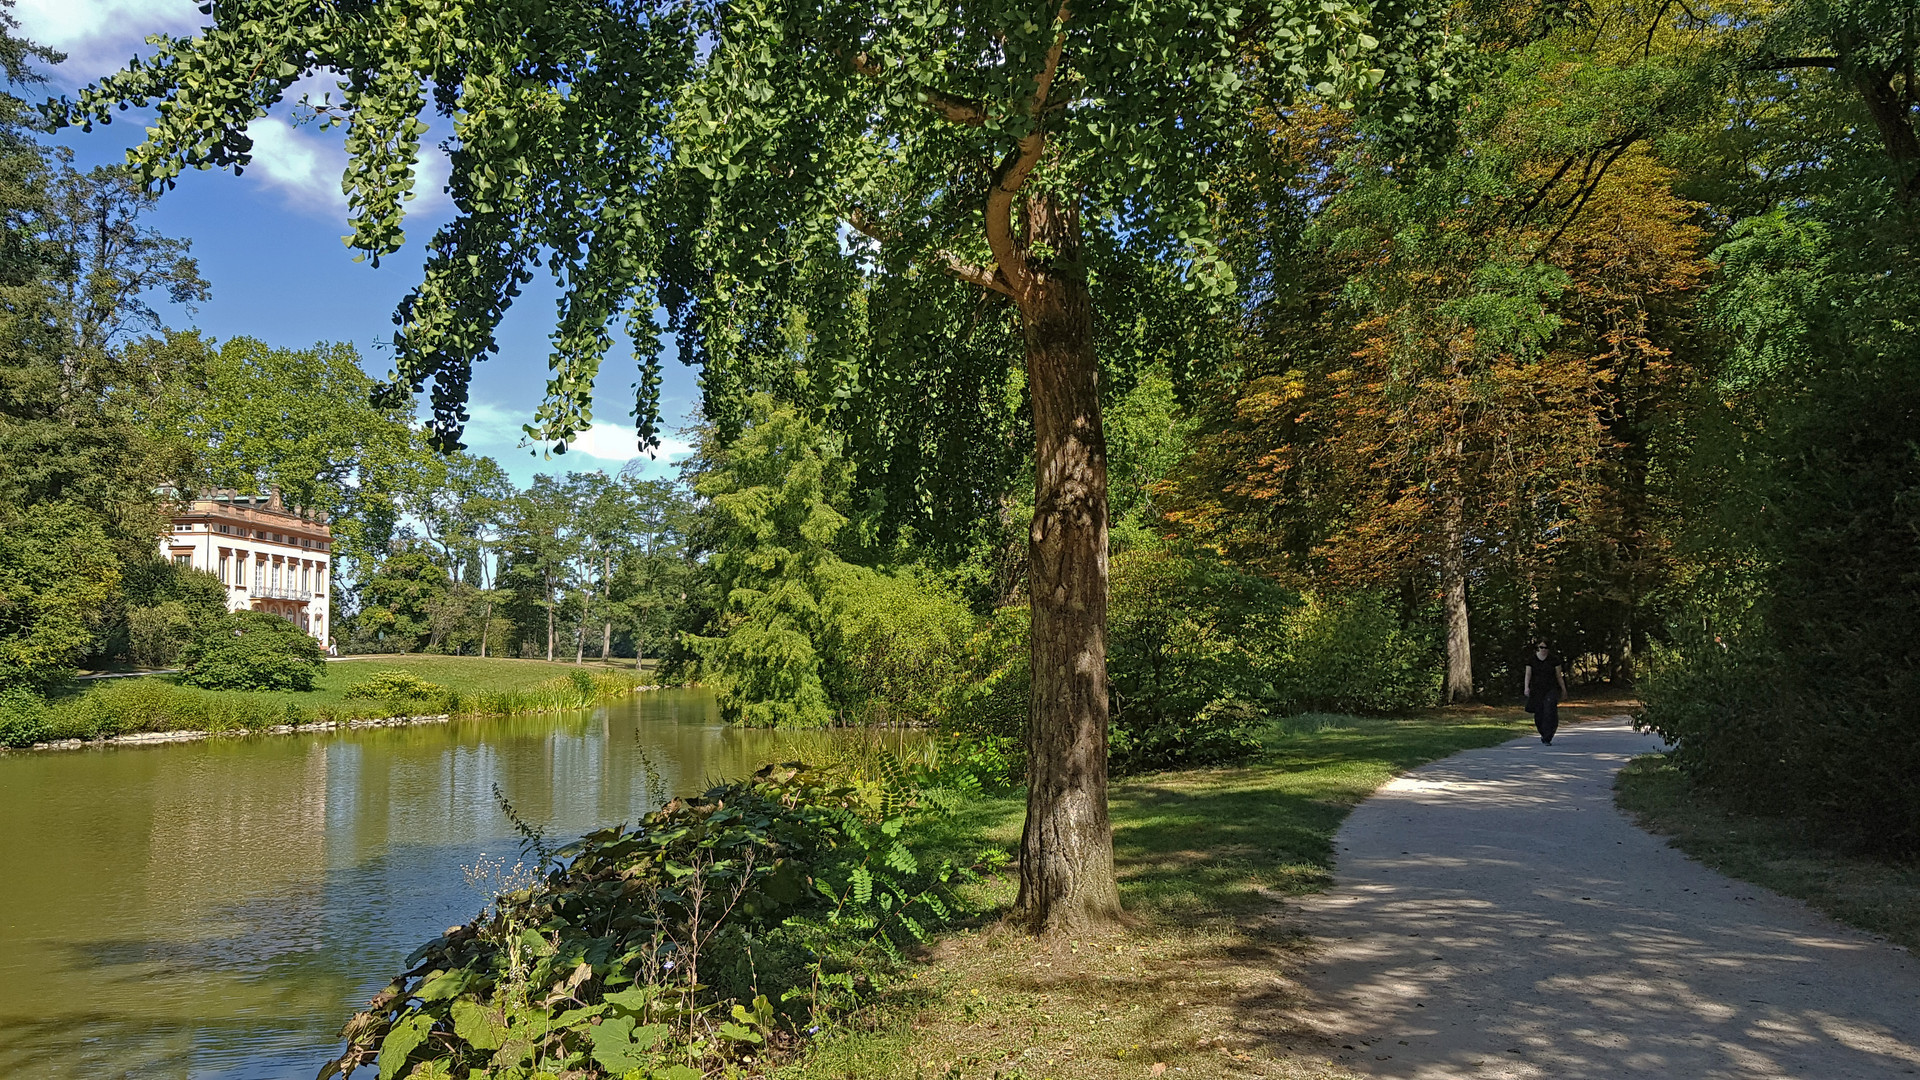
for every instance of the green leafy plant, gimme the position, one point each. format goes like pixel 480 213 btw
pixel 252 650
pixel 894 648
pixel 400 687
pixel 1349 653
pixel 714 926
pixel 23 719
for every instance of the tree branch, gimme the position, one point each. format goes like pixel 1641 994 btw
pixel 952 264
pixel 1020 163
pixel 951 107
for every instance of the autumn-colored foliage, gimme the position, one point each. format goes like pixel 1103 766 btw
pixel 1456 398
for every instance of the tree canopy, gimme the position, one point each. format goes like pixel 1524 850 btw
pixel 717 161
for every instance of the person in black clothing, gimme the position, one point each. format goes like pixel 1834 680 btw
pixel 1544 685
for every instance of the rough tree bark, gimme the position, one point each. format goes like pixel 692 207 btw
pixel 1453 588
pixel 1066 849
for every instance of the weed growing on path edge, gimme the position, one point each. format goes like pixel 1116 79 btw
pixel 1786 855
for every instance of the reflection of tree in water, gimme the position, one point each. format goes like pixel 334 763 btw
pixel 215 910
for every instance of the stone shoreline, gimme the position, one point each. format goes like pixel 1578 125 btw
pixel 144 738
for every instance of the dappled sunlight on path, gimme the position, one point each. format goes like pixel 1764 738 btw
pixel 1495 916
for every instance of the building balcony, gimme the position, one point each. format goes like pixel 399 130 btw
pixel 268 592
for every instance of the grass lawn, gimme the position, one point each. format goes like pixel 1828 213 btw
pixel 1783 854
pixel 1198 983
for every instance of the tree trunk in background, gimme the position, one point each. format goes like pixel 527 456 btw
pixel 551 603
pixel 486 623
pixel 1453 587
pixel 1066 849
pixel 640 640
pixel 606 597
pixel 580 628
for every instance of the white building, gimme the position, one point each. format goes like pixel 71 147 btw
pixel 269 557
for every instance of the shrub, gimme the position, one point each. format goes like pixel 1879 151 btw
pixel 167 606
pixel 1351 654
pixel 23 717
pixel 399 687
pixel 895 647
pixel 673 949
pixel 1191 655
pixel 157 635
pixel 153 703
pixel 58 570
pixel 994 704
pixel 1810 705
pixel 252 650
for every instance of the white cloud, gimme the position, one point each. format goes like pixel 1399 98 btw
pixel 99 36
pixel 304 166
pixel 303 163
pixel 618 442
pixel 495 430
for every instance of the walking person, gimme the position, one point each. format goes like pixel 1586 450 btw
pixel 1544 685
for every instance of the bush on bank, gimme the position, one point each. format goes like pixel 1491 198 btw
pixel 252 650
pixel 715 931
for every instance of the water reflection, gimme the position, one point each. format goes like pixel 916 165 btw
pixel 215 910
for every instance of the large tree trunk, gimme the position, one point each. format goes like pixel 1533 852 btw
pixel 551 603
pixel 1453 587
pixel 1066 850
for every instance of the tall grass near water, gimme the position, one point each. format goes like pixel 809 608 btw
pixel 157 704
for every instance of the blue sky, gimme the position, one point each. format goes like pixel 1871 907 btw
pixel 269 242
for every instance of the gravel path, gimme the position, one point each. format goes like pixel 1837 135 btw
pixel 1495 917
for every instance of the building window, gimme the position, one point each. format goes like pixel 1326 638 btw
pixel 223 566
pixel 183 560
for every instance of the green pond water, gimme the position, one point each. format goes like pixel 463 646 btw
pixel 217 909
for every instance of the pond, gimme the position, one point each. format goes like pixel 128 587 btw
pixel 216 910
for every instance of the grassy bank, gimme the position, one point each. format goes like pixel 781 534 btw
pixel 1198 982
pixel 1783 854
pixel 439 684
